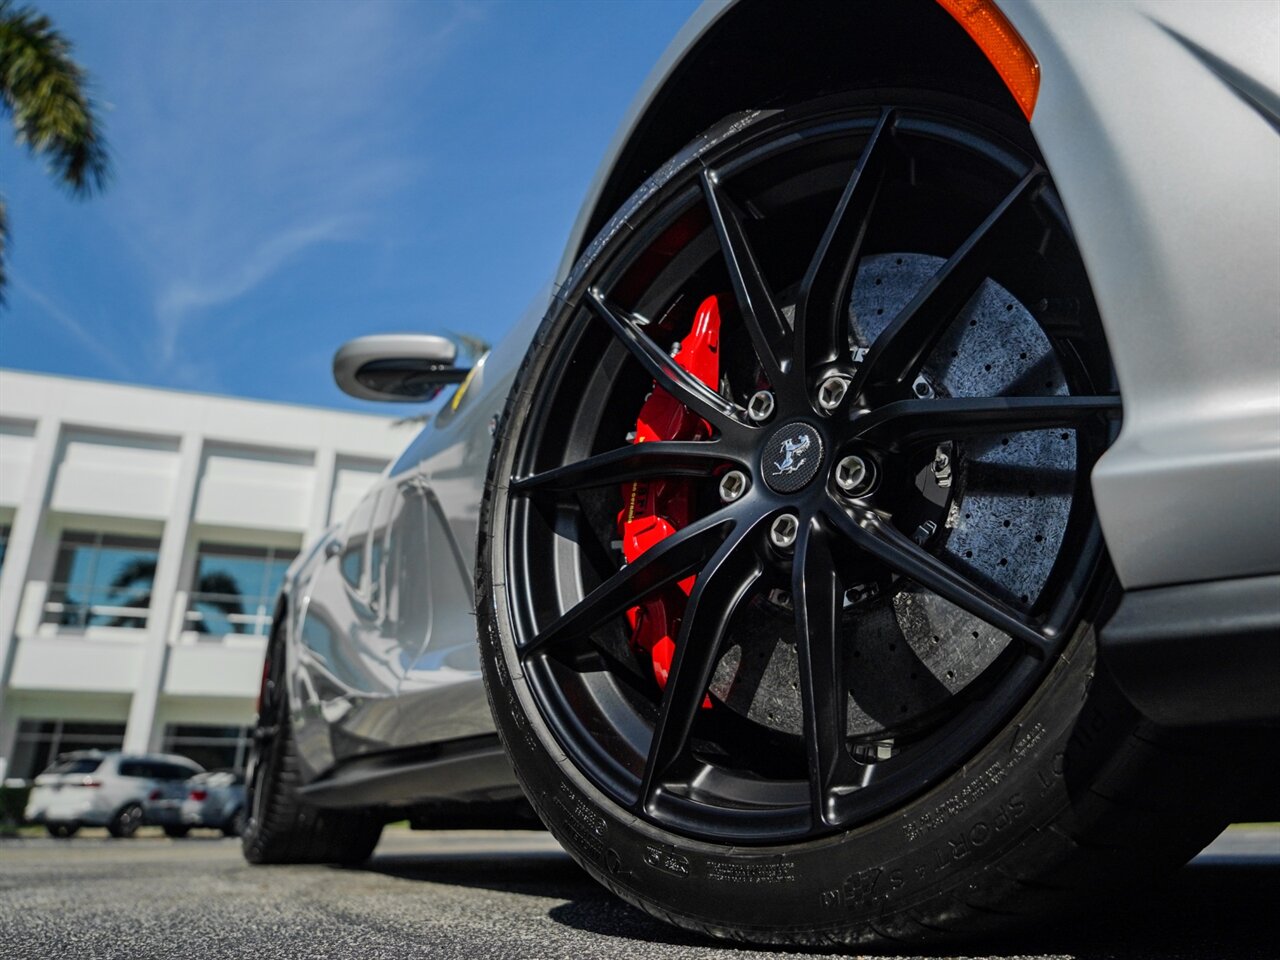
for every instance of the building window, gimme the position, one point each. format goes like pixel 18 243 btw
pixel 4 542
pixel 235 589
pixel 102 580
pixel 214 748
pixel 40 742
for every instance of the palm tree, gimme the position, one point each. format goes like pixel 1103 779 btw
pixel 131 587
pixel 44 91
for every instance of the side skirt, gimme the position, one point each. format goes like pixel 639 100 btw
pixel 1199 654
pixel 471 770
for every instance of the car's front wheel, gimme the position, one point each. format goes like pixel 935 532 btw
pixel 279 826
pixel 788 567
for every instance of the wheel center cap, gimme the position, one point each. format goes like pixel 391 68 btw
pixel 791 457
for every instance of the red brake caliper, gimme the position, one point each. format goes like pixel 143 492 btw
pixel 653 510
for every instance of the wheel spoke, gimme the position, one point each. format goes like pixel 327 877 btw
pixel 721 586
pixel 820 310
pixel 760 314
pixel 883 541
pixel 816 594
pixel 672 559
pixel 905 422
pixel 668 374
pixel 662 458
pixel 902 348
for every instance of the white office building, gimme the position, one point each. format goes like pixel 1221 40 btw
pixel 143 536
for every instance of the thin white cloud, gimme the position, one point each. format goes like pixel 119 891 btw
pixel 257 133
pixel 75 328
pixel 182 296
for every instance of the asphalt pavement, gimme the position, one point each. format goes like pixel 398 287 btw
pixel 514 895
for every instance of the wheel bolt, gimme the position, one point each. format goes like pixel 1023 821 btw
pixel 852 475
pixel 832 392
pixel 733 485
pixel 783 531
pixel 760 406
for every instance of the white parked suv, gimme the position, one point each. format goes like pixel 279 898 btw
pixel 92 788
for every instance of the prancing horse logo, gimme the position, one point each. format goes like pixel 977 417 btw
pixel 792 450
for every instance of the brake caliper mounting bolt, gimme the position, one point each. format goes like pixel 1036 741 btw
pixel 760 406
pixel 832 392
pixel 852 474
pixel 783 531
pixel 942 468
pixel 733 485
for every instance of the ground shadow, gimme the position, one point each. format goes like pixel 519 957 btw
pixel 588 906
pixel 1214 909
pixel 544 873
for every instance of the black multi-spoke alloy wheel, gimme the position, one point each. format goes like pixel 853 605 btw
pixel 881 718
pixel 279 826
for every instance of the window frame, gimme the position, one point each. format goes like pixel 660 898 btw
pixel 59 592
pixel 258 622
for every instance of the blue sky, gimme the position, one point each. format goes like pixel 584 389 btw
pixel 290 175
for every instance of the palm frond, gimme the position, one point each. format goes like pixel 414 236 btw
pixel 139 571
pixel 46 92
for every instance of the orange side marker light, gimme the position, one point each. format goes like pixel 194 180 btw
pixel 1002 45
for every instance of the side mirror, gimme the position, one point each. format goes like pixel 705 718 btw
pixel 397 367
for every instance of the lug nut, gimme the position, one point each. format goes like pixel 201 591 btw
pixel 783 531
pixel 832 392
pixel 733 485
pixel 852 475
pixel 760 406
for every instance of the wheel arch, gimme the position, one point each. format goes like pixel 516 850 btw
pixel 756 54
pixel 1200 406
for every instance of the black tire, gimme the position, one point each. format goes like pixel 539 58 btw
pixel 235 826
pixel 1069 794
pixel 126 821
pixel 62 831
pixel 176 832
pixel 278 827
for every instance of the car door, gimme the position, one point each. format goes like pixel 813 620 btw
pixel 348 671
pixel 428 604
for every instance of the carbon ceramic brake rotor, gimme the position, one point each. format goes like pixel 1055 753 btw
pixel 1011 497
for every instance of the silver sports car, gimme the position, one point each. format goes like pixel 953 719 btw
pixel 873 534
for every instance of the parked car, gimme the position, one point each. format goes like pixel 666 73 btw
pixel 210 799
pixel 216 800
pixel 113 790
pixel 872 535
